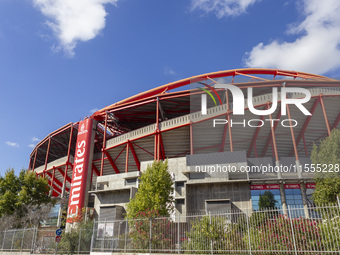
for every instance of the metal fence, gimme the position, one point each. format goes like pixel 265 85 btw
pixel 295 230
pixel 314 230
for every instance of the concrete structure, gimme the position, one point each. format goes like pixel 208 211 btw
pixel 159 124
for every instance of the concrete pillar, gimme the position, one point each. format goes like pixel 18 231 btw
pixel 283 199
pixel 277 164
pixel 304 199
pixel 298 169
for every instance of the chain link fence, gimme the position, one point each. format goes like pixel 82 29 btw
pixel 315 230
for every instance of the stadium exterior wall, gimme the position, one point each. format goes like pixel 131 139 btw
pixel 160 124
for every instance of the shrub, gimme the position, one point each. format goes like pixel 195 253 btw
pixel 213 233
pixel 162 232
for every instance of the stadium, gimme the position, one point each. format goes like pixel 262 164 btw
pixel 225 147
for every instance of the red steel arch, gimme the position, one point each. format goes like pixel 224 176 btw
pixel 250 72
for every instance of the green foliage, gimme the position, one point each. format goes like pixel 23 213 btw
pixel 154 192
pixel 213 232
pixel 162 232
pixel 79 233
pixel 276 235
pixel 331 234
pixel 21 193
pixel 257 219
pixel 327 155
pixel 267 200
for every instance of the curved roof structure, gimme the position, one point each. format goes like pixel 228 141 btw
pixel 159 124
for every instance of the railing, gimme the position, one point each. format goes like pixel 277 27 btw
pixel 274 231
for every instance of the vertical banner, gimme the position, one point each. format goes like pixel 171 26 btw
pixel 81 168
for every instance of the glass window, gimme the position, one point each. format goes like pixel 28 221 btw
pixel 255 197
pixel 296 191
pixel 294 198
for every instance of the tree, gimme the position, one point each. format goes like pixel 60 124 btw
pixel 154 192
pixel 24 199
pixel 267 200
pixel 77 238
pixel 327 156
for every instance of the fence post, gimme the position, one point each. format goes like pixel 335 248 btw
pixel 32 244
pixel 93 233
pixel 178 235
pixel 3 241
pixel 79 241
pixel 291 225
pixel 126 230
pixel 338 199
pixel 104 235
pixel 250 252
pixel 211 241
pixel 35 238
pixel 13 240
pixel 22 239
pixel 150 235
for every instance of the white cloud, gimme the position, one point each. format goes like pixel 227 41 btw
pixel 74 20
pixel 222 8
pixel 12 144
pixel 31 145
pixel 316 50
pixel 169 71
pixel 35 139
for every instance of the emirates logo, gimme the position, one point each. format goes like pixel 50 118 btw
pixel 82 127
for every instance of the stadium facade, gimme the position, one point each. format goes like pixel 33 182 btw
pixel 220 157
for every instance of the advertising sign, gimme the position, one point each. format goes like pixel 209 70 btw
pixel 264 187
pixel 80 169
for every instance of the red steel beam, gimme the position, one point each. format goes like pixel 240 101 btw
pixel 214 75
pixel 156 152
pixel 224 135
pixel 60 130
pixel 115 168
pixel 52 178
pixel 64 174
pixel 162 146
pixel 55 180
pixel 256 133
pixel 134 155
pixel 325 115
pixel 305 125
pixel 305 146
pixel 292 134
pixel 55 194
pixel 191 139
pixel 54 187
pixel 47 152
pixel 95 170
pixel 150 134
pixel 143 149
pixel 269 138
pixel 127 157
pixel 336 122
pixel 273 140
pixel 155 146
pixel 67 162
pixel 104 144
pixel 35 157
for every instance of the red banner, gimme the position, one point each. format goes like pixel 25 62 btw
pixel 292 186
pixel 310 185
pixel 80 170
pixel 266 186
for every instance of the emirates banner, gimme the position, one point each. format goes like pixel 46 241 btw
pixel 80 170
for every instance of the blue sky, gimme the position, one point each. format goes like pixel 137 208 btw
pixel 62 59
